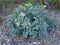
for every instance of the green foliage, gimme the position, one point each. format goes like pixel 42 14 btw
pixel 32 1
pixel 53 1
pixel 29 1
pixel 30 20
pixel 40 2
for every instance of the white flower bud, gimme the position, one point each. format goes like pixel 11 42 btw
pixel 17 23
pixel 22 14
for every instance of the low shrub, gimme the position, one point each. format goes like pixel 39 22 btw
pixel 31 20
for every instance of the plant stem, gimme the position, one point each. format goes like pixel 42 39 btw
pixel 41 2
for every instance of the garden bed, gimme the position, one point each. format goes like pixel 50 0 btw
pixel 7 39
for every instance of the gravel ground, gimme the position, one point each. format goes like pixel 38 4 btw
pixel 7 39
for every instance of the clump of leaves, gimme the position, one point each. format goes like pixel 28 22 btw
pixel 32 1
pixel 53 1
pixel 29 1
pixel 30 20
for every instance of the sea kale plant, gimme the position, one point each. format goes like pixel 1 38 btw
pixel 30 21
